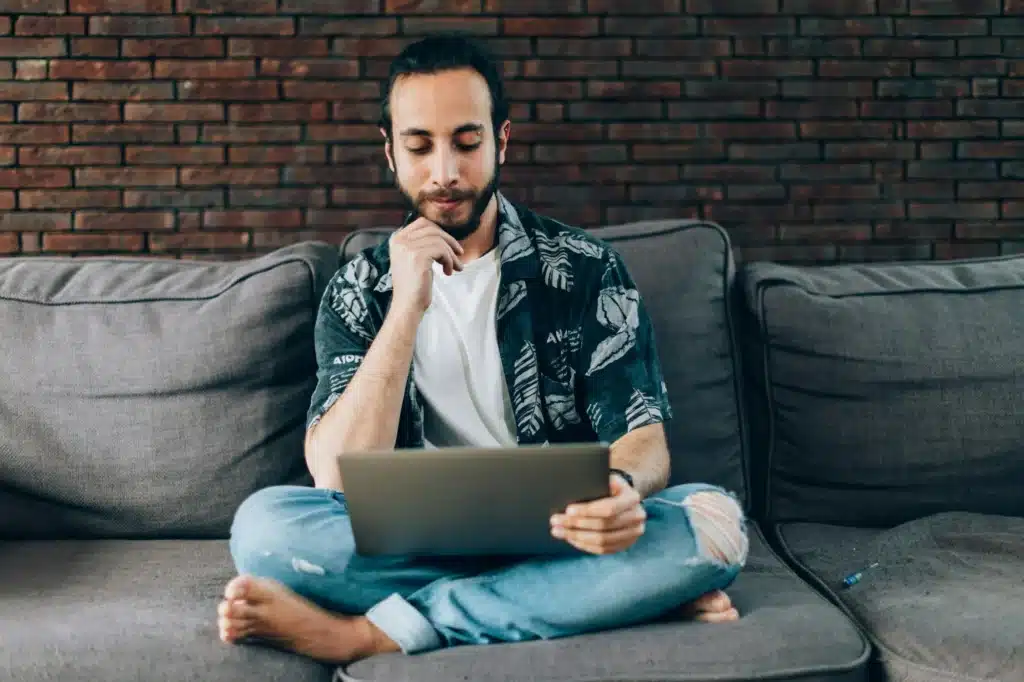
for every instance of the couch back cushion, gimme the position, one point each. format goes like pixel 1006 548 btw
pixel 146 397
pixel 684 270
pixel 887 391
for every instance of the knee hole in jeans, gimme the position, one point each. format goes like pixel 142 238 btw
pixel 718 523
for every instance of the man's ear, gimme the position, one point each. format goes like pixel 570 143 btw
pixel 502 141
pixel 388 150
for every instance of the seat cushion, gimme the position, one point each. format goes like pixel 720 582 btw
pixel 944 603
pixel 684 269
pixel 124 611
pixel 787 631
pixel 889 391
pixel 144 397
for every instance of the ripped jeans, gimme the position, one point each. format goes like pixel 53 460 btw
pixel 302 538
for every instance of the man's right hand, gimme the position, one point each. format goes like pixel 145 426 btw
pixel 414 250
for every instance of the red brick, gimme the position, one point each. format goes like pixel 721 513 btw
pixel 277 47
pixel 253 26
pixel 141 221
pixel 751 130
pixel 309 68
pixel 14 178
pixel 6 70
pixel 68 199
pixel 7 200
pixel 533 26
pixel 207 175
pixel 235 220
pixel 94 47
pixel 349 26
pixel 331 90
pixel 33 134
pixel 833 191
pixel 43 111
pixel 124 132
pixel 825 7
pixel 565 68
pixel 8 155
pixel 173 155
pixel 1003 149
pixel 22 48
pixel 35 91
pixel 49 26
pixel 8 242
pixel 702 150
pixel 43 221
pixel 269 113
pixel 952 129
pixel 543 90
pixel 870 150
pixel 61 242
pixel 227 6
pixel 122 92
pixel 139 26
pixel 330 175
pixel 949 210
pixel 624 111
pixel 772 68
pixel 426 6
pixel 206 69
pixel 367 47
pixel 228 90
pixel 481 26
pixel 199 240
pixel 285 154
pixel 195 48
pixel 69 156
pixel 34 6
pixel 173 112
pixel 248 134
pixel 124 177
pixel 963 250
pixel 762 26
pixel 6 113
pixel 98 71
pixel 5 25
pixel 121 6
pixel 847 129
pixel 173 198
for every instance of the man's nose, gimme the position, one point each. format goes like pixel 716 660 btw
pixel 445 169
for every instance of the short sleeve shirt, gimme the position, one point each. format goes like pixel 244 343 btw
pixel 576 343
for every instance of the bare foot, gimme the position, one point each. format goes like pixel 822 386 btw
pixel 267 610
pixel 713 607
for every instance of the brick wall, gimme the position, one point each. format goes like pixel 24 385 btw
pixel 814 130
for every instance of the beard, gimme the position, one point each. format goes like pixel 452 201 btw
pixel 446 221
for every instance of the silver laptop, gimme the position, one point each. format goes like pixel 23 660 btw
pixel 468 501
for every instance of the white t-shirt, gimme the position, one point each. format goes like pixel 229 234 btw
pixel 456 365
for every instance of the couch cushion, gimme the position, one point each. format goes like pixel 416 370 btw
pixel 148 397
pixel 891 391
pixel 684 270
pixel 786 631
pixel 945 601
pixel 124 611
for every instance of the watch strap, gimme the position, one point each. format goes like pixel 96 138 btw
pixel 625 476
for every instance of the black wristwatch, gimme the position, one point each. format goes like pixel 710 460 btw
pixel 624 475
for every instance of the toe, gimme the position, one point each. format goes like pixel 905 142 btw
pixel 719 616
pixel 714 602
pixel 238 588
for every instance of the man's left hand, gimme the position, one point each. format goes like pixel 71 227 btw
pixel 611 524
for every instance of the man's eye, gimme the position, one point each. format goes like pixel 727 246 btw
pixel 468 147
pixel 418 150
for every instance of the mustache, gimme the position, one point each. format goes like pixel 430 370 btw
pixel 448 195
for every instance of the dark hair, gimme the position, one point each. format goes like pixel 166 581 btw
pixel 442 52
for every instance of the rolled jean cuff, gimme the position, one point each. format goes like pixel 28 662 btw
pixel 406 626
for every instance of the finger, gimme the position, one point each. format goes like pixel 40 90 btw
pixel 604 541
pixel 606 507
pixel 632 516
pixel 427 229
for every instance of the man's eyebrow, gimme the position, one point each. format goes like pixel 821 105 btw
pixel 464 128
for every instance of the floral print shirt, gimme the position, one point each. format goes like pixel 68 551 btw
pixel 575 340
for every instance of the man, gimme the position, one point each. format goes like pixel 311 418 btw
pixel 480 323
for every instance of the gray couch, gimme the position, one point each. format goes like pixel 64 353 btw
pixel 866 414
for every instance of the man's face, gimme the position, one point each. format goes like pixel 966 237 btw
pixel 444 153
